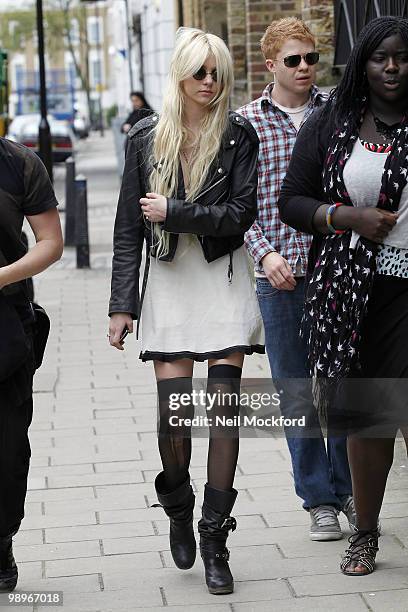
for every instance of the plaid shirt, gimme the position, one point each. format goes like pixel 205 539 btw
pixel 277 136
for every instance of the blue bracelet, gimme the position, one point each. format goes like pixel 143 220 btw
pixel 329 215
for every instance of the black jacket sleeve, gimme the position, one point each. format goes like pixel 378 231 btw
pixel 230 217
pixel 128 235
pixel 302 190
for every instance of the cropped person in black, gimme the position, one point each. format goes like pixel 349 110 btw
pixel 346 184
pixel 25 191
pixel 140 109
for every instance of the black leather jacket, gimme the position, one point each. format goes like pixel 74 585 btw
pixel 221 213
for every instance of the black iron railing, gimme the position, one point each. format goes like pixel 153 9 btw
pixel 352 15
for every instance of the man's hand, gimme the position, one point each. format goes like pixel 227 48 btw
pixel 117 324
pixel 126 127
pixel 154 207
pixel 278 272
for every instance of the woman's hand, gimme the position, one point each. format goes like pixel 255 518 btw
pixel 370 222
pixel 154 207
pixel 374 223
pixel 118 322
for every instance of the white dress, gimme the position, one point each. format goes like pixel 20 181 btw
pixel 191 310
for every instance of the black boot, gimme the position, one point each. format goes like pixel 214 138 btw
pixel 8 567
pixel 179 506
pixel 213 528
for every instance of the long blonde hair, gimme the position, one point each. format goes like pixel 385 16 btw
pixel 192 49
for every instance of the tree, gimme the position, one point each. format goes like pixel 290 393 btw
pixel 59 20
pixel 18 26
pixel 15 28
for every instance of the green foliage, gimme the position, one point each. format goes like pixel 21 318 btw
pixel 58 19
pixel 111 112
pixel 15 28
pixel 19 26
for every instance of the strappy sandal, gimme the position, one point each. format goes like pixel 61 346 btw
pixel 363 549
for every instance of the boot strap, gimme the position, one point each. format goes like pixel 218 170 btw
pixel 221 553
pixel 175 516
pixel 229 523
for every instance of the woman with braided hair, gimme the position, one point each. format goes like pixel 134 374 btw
pixel 346 184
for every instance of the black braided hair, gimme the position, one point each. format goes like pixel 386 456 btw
pixel 346 99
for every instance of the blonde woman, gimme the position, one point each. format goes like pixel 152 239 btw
pixel 189 191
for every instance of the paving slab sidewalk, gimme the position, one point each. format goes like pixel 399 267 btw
pixel 89 530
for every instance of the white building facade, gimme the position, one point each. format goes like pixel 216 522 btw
pixel 155 45
pixel 146 26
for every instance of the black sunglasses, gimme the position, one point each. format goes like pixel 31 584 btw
pixel 292 61
pixel 202 73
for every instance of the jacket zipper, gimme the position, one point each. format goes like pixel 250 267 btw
pixel 210 187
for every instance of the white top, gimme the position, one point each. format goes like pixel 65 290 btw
pixel 362 178
pixel 296 114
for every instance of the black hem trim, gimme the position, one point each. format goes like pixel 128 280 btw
pixel 157 356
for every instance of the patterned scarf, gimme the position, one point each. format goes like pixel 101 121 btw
pixel 338 291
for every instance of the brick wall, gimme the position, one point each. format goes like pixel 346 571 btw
pixel 246 22
pixel 259 14
pixel 319 15
pixel 236 19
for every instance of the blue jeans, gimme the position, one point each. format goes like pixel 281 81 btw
pixel 321 477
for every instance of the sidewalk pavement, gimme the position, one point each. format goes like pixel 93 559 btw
pixel 89 530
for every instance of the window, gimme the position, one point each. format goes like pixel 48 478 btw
pixel 95 30
pixel 96 71
pixel 352 15
pixel 18 75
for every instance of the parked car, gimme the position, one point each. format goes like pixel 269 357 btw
pixel 24 129
pixel 16 126
pixel 81 126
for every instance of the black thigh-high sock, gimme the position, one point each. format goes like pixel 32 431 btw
pixel 174 440
pixel 224 384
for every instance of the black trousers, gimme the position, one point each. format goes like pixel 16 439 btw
pixel 16 412
pixel 15 455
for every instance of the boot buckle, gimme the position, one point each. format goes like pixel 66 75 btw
pixel 229 523
pixel 223 555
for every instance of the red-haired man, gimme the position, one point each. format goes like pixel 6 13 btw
pixel 322 477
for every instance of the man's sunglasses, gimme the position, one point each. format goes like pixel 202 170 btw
pixel 292 61
pixel 202 73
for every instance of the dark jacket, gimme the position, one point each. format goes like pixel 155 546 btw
pixel 135 116
pixel 221 213
pixel 302 190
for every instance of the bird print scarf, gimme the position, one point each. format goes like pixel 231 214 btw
pixel 339 288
